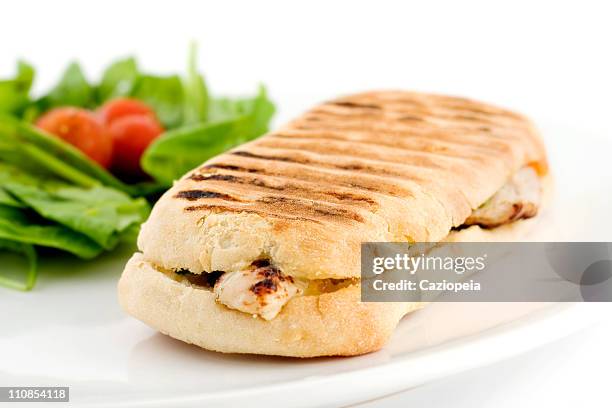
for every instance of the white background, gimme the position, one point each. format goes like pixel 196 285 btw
pixel 550 60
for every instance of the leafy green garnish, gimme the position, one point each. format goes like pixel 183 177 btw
pixel 181 150
pixel 9 279
pixel 196 93
pixel 14 93
pixel 176 101
pixel 165 95
pixel 100 213
pixel 8 200
pixel 72 90
pixel 118 79
pixel 33 146
pixel 16 225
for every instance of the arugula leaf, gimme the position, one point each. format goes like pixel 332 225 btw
pixel 165 95
pixel 7 279
pixel 72 90
pixel 119 79
pixel 181 150
pixel 196 93
pixel 14 93
pixel 16 225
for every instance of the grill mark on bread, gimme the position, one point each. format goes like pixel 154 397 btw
pixel 318 114
pixel 231 167
pixel 482 111
pixel 402 132
pixel 398 188
pixel 441 102
pixel 348 123
pixel 282 207
pixel 288 187
pixel 366 168
pixel 312 206
pixel 352 197
pixel 349 104
pixel 424 114
pixel 411 118
pixel 250 155
pixel 450 143
pixel 428 184
pixel 298 176
pixel 224 208
pixel 382 187
pixel 299 160
pixel 359 150
pixel 411 144
pixel 297 205
pixel 309 206
pixel 220 177
pixel 194 195
pixel 399 129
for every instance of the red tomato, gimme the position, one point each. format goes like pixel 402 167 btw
pixel 81 129
pixel 131 135
pixel 120 107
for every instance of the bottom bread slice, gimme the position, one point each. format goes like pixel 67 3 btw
pixel 330 324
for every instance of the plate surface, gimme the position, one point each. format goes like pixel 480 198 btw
pixel 71 331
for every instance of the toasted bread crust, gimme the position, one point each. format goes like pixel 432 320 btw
pixel 377 166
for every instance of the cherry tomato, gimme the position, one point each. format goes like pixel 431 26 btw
pixel 81 129
pixel 120 107
pixel 131 135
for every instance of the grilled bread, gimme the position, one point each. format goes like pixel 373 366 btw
pixel 273 228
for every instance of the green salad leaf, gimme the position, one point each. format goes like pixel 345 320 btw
pixel 180 150
pixel 196 93
pixel 18 226
pixel 8 200
pixel 99 213
pixel 72 90
pixel 119 79
pixel 165 95
pixel 259 108
pixel 14 93
pixel 9 277
pixel 24 144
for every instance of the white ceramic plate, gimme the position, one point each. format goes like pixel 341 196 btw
pixel 70 331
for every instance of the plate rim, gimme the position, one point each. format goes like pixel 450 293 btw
pixel 542 327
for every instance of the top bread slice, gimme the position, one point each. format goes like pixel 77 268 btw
pixel 377 166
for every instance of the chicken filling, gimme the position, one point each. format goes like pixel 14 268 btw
pixel 262 289
pixel 519 198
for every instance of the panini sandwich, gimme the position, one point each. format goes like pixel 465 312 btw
pixel 258 249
